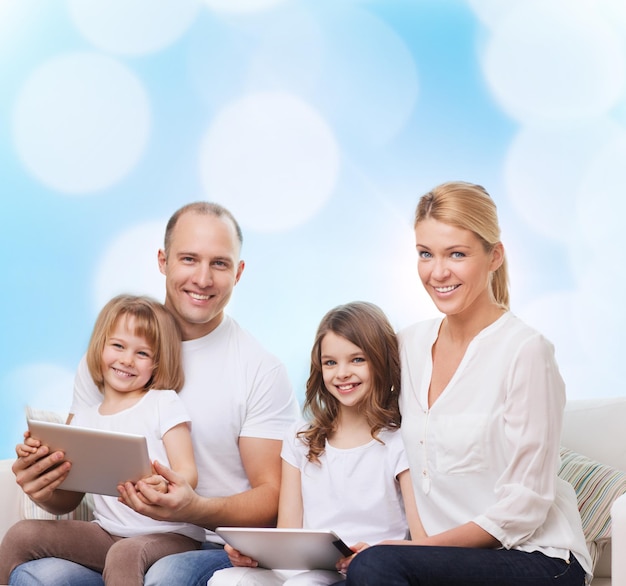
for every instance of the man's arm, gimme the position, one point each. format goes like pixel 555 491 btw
pixel 257 506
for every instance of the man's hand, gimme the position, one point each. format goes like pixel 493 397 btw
pixel 173 505
pixel 37 471
pixel 39 474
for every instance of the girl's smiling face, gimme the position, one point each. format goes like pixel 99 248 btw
pixel 127 359
pixel 345 370
pixel 454 266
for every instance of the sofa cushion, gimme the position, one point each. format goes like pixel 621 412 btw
pixel 597 486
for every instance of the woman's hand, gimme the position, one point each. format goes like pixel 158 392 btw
pixel 237 559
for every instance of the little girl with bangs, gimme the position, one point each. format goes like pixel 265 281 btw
pixel 134 351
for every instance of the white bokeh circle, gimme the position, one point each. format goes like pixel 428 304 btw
pixel 555 60
pixel 614 11
pixel 600 315
pixel 491 12
pixel 369 80
pixel 552 315
pixel 41 385
pixel 544 169
pixel 81 122
pixel 242 6
pixel 601 201
pixel 271 159
pixel 133 27
pixel 130 265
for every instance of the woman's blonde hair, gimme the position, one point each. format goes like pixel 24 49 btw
pixel 470 207
pixel 153 322
pixel 366 326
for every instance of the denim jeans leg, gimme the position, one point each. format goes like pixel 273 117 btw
pixel 456 566
pixel 192 568
pixel 54 572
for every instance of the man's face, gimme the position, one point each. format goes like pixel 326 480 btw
pixel 201 268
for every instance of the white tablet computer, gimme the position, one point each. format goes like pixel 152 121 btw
pixel 287 549
pixel 100 459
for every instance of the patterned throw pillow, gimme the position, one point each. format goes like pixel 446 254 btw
pixel 28 509
pixel 597 486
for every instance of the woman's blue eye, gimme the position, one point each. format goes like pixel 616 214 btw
pixel 458 255
pixel 359 359
pixel 329 363
pixel 424 254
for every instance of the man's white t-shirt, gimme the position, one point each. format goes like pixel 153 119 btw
pixel 233 388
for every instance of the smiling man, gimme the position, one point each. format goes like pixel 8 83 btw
pixel 239 398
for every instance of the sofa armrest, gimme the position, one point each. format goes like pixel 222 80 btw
pixel 618 541
pixel 10 497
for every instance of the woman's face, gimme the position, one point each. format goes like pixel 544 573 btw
pixel 454 267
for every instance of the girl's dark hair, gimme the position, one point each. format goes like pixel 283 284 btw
pixel 366 326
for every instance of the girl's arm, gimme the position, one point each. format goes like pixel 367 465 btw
pixel 179 450
pixel 412 514
pixel 290 510
pixel 410 506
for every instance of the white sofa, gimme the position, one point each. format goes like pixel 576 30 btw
pixel 594 428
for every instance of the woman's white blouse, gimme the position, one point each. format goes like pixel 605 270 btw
pixel 487 451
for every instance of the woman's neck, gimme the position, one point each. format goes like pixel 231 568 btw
pixel 462 328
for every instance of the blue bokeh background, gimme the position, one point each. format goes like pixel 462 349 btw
pixel 319 123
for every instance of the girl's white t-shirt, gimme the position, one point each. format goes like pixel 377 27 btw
pixel 353 492
pixel 152 416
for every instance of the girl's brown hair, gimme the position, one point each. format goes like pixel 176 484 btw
pixel 153 322
pixel 366 326
pixel 470 207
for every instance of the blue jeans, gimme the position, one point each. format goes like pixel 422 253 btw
pixel 404 565
pixel 191 568
pixel 181 568
pixel 54 572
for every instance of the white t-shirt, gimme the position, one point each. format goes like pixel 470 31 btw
pixel 152 416
pixel 233 388
pixel 353 492
pixel 487 451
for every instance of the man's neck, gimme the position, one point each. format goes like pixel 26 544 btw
pixel 191 331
